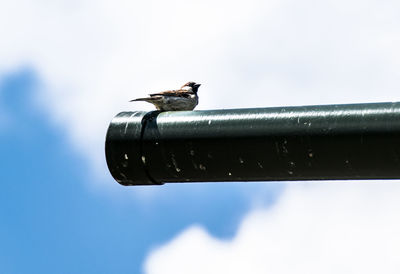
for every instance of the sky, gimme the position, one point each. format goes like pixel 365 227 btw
pixel 68 67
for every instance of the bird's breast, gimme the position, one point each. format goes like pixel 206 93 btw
pixel 180 103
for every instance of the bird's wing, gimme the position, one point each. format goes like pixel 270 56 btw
pixel 176 93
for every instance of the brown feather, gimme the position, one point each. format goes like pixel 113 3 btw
pixel 177 92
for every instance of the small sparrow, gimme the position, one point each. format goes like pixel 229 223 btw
pixel 184 98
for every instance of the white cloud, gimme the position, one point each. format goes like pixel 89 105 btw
pixel 93 56
pixel 317 228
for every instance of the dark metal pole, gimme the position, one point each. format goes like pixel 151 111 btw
pixel 359 141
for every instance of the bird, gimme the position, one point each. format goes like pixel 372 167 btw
pixel 184 98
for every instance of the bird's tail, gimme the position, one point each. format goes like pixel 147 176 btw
pixel 148 99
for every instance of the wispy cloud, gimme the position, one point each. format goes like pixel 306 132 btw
pixel 93 56
pixel 317 228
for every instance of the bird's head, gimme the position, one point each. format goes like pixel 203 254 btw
pixel 192 85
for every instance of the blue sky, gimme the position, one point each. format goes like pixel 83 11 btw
pixel 67 67
pixel 52 221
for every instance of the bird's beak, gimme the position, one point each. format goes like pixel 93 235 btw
pixel 197 85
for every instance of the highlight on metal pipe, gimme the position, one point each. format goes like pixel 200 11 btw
pixel 328 142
